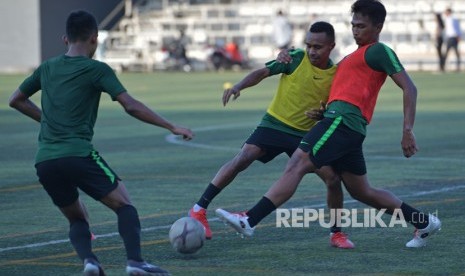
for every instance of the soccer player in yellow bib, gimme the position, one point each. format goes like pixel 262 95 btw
pixel 304 84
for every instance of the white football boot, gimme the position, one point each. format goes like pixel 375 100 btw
pixel 420 235
pixel 238 221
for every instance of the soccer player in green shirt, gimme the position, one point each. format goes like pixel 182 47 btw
pixel 303 85
pixel 66 160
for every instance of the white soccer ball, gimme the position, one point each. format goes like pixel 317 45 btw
pixel 187 235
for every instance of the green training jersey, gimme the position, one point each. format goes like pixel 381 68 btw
pixel 71 89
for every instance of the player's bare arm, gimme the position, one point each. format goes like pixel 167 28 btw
pixel 23 104
pixel 408 142
pixel 253 78
pixel 140 111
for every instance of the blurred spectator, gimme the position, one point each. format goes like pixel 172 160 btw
pixel 102 45
pixel 177 53
pixel 282 31
pixel 439 39
pixel 453 33
pixel 228 57
pixel 181 47
pixel 234 54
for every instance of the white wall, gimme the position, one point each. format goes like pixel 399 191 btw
pixel 20 38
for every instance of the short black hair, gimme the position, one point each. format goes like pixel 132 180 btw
pixel 80 25
pixel 374 9
pixel 323 27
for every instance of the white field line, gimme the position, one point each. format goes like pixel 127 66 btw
pixel 174 139
pixel 155 228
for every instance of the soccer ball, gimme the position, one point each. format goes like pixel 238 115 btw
pixel 187 235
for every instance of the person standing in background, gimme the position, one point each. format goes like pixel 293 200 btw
pixel 453 33
pixel 282 31
pixel 439 39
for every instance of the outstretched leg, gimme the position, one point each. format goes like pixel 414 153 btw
pixel 248 154
pixel 280 192
pixel 283 189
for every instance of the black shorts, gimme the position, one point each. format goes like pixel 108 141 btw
pixel 62 177
pixel 273 142
pixel 331 143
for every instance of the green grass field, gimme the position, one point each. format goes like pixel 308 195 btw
pixel 165 179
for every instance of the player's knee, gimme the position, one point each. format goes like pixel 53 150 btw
pixel 362 195
pixel 242 161
pixel 297 167
pixel 74 212
pixel 333 182
pixel 115 203
pixel 127 209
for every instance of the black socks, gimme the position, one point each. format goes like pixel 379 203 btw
pixel 262 209
pixel 418 219
pixel 80 237
pixel 210 192
pixel 129 230
pixel 128 227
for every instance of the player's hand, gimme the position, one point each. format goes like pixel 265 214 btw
pixel 284 57
pixel 409 144
pixel 186 133
pixel 233 91
pixel 316 114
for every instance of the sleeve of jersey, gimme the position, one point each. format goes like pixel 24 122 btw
pixel 32 83
pixel 108 82
pixel 382 58
pixel 286 68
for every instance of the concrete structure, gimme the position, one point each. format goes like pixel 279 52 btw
pixel 20 40
pixel 32 30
